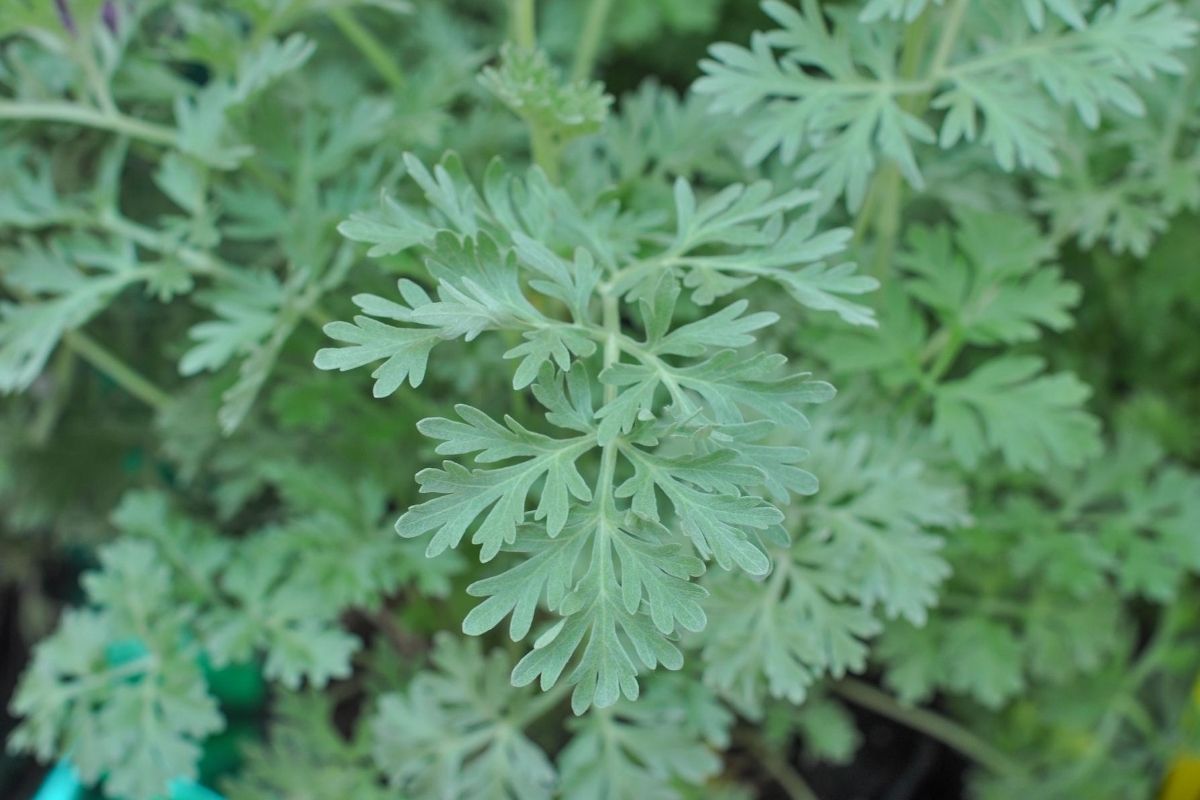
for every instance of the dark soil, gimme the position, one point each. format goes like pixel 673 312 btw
pixel 19 777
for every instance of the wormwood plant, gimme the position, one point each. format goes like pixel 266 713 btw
pixel 621 320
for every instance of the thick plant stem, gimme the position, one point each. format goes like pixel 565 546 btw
pixel 885 197
pixel 887 218
pixel 90 118
pixel 524 25
pixel 784 774
pixel 523 32
pixel 544 150
pixel 589 39
pixel 929 723
pixel 121 373
pixel 369 46
pixel 881 210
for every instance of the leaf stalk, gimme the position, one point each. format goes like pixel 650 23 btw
pixel 590 37
pixel 375 53
pixel 52 111
pixel 929 723
pixel 121 373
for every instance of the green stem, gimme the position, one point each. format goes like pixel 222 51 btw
pixel 611 319
pixel 51 408
pixel 369 46
pixel 988 605
pixel 196 261
pixel 103 680
pixel 950 29
pixel 915 39
pixel 951 344
pixel 523 31
pixel 273 181
pixel 887 218
pixel 784 773
pixel 544 150
pixel 866 212
pixel 121 373
pixel 524 25
pixel 612 344
pixel 589 39
pixel 885 196
pixel 88 117
pixel 95 80
pixel 929 723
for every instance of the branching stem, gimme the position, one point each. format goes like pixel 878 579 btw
pixel 945 46
pixel 523 32
pixel 110 364
pixel 589 39
pixel 544 150
pixel 885 196
pixel 362 38
pixel 934 725
pixel 784 773
pixel 53 111
pixel 95 80
pixel 121 373
pixel 524 24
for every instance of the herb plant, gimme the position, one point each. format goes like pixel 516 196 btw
pixel 649 550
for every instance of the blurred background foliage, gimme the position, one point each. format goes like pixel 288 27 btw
pixel 211 261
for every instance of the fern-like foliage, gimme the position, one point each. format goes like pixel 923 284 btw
pixel 1144 170
pixel 986 284
pixel 459 731
pixel 833 94
pixel 867 549
pixel 305 755
pixel 171 594
pixel 119 687
pixel 667 420
pixel 595 363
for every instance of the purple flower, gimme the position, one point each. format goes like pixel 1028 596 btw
pixel 64 16
pixel 108 13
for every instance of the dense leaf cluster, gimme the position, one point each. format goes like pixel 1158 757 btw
pixel 602 329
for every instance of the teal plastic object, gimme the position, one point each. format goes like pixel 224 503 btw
pixel 63 784
pixel 237 687
pixel 123 651
pixel 186 790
